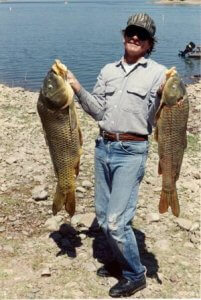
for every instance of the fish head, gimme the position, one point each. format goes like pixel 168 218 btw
pixel 174 90
pixel 53 86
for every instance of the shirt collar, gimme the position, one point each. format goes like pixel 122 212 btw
pixel 141 61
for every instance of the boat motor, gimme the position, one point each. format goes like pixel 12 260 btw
pixel 188 49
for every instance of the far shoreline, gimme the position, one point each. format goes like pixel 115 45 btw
pixel 195 2
pixel 188 80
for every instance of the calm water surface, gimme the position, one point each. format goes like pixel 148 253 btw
pixel 85 35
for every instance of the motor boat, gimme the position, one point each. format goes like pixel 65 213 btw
pixel 191 51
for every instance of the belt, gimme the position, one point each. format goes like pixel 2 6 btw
pixel 110 136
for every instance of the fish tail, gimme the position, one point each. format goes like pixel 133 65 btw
pixel 67 199
pixel 70 203
pixel 169 198
pixel 59 200
pixel 174 203
pixel 164 202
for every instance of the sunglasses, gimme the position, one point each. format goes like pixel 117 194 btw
pixel 141 33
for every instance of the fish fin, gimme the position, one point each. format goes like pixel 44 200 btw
pixel 80 136
pixel 159 168
pixel 164 202
pixel 156 134
pixel 174 203
pixel 158 113
pixel 70 202
pixel 58 202
pixel 73 117
pixel 77 168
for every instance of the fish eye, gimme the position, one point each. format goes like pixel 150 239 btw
pixel 50 86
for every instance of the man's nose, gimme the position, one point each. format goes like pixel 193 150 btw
pixel 135 37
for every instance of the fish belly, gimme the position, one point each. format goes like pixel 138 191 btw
pixel 172 141
pixel 65 149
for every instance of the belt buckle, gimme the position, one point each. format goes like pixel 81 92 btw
pixel 117 136
pixel 103 134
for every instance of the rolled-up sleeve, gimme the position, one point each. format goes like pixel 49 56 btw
pixel 154 99
pixel 94 103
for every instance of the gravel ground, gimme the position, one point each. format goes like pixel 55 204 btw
pixel 43 257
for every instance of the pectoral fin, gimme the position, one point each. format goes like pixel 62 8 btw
pixel 158 113
pixel 159 169
pixel 156 134
pixel 73 117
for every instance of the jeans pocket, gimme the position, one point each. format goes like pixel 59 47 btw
pixel 133 148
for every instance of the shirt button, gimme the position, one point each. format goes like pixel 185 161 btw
pixel 120 91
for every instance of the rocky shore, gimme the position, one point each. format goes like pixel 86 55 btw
pixel 179 2
pixel 45 257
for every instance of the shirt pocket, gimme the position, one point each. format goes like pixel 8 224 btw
pixel 134 99
pixel 109 91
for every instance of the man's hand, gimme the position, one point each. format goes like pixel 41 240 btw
pixel 160 90
pixel 72 80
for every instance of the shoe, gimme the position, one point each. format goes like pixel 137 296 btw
pixel 127 287
pixel 109 270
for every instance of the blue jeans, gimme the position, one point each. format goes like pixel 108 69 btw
pixel 119 169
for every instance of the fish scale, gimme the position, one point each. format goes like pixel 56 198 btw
pixel 172 140
pixel 63 146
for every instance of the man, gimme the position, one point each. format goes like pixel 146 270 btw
pixel 124 101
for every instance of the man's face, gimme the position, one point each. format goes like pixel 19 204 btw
pixel 136 41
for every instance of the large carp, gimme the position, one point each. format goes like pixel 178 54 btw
pixel 58 115
pixel 171 126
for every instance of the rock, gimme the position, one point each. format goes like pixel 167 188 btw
pixel 11 218
pixel 87 184
pixel 87 219
pixel 153 217
pixel 81 189
pixel 12 159
pixel 53 223
pixel 195 239
pixel 31 111
pixel 46 272
pixel 76 219
pixel 188 245
pixel 89 266
pixel 9 249
pixel 80 195
pixel 2 228
pixel 173 278
pixel 184 223
pixel 82 236
pixel 163 245
pixel 195 226
pixel 39 193
pixel 196 176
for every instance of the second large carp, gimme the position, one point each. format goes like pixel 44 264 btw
pixel 170 133
pixel 58 115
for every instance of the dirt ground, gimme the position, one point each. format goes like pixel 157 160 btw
pixel 46 257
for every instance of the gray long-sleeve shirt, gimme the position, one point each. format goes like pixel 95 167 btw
pixel 125 102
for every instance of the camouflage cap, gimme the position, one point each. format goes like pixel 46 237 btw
pixel 144 21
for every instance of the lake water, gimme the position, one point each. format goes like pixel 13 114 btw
pixel 85 35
